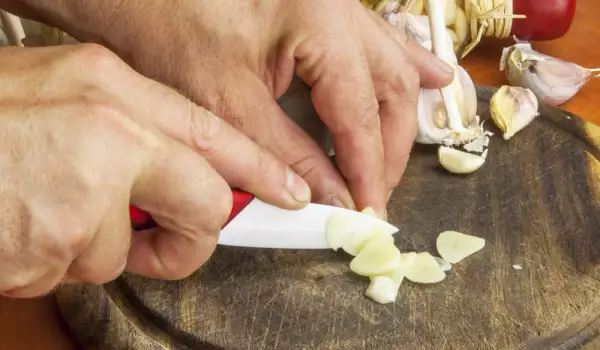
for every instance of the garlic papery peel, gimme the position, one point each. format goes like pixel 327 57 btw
pixel 378 257
pixel 425 269
pixel 444 265
pixel 552 80
pixel 382 290
pixel 513 108
pixel 455 246
pixel 443 50
pixel 459 162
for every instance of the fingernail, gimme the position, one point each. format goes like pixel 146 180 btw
pixel 297 187
pixel 389 196
pixel 442 65
pixel 334 201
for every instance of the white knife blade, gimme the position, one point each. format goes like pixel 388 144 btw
pixel 261 225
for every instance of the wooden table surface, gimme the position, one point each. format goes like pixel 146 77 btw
pixel 36 324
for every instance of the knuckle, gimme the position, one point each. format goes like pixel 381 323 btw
pixel 222 203
pixel 97 60
pixel 369 118
pixel 98 274
pixel 205 130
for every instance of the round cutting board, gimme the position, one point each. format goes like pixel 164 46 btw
pixel 536 284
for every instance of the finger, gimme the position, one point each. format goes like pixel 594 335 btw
pixel 257 114
pixel 104 259
pixel 434 73
pixel 343 96
pixel 396 84
pixel 243 163
pixel 190 203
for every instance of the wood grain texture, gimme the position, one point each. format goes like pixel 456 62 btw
pixel 536 201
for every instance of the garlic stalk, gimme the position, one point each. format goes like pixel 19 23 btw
pixel 444 52
pixel 552 80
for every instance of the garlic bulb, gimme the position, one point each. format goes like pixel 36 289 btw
pixel 512 109
pixel 552 80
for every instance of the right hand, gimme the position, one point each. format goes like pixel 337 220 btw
pixel 81 137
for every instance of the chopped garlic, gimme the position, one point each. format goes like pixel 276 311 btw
pixel 455 246
pixel 459 162
pixel 425 269
pixel 358 239
pixel 339 227
pixel 406 261
pixel 382 290
pixel 378 257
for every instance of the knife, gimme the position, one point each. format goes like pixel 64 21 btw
pixel 256 224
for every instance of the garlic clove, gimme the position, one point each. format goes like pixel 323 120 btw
pixel 378 257
pixel 461 27
pixel 425 269
pixel 552 80
pixel 458 162
pixel 455 246
pixel 382 290
pixel 416 8
pixel 512 109
pixel 454 37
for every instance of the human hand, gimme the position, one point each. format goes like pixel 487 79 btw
pixel 81 137
pixel 237 57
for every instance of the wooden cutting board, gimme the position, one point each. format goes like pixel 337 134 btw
pixel 536 201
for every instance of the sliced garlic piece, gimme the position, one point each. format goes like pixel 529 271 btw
pixel 382 290
pixel 378 257
pixel 370 212
pixel 406 261
pixel 459 162
pixel 358 239
pixel 339 227
pixel 455 246
pixel 512 109
pixel 444 265
pixel 425 269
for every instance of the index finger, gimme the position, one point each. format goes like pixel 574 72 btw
pixel 241 162
pixel 344 98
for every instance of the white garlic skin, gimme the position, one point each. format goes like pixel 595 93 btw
pixel 552 80
pixel 429 99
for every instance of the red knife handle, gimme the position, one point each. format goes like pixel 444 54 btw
pixel 140 220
